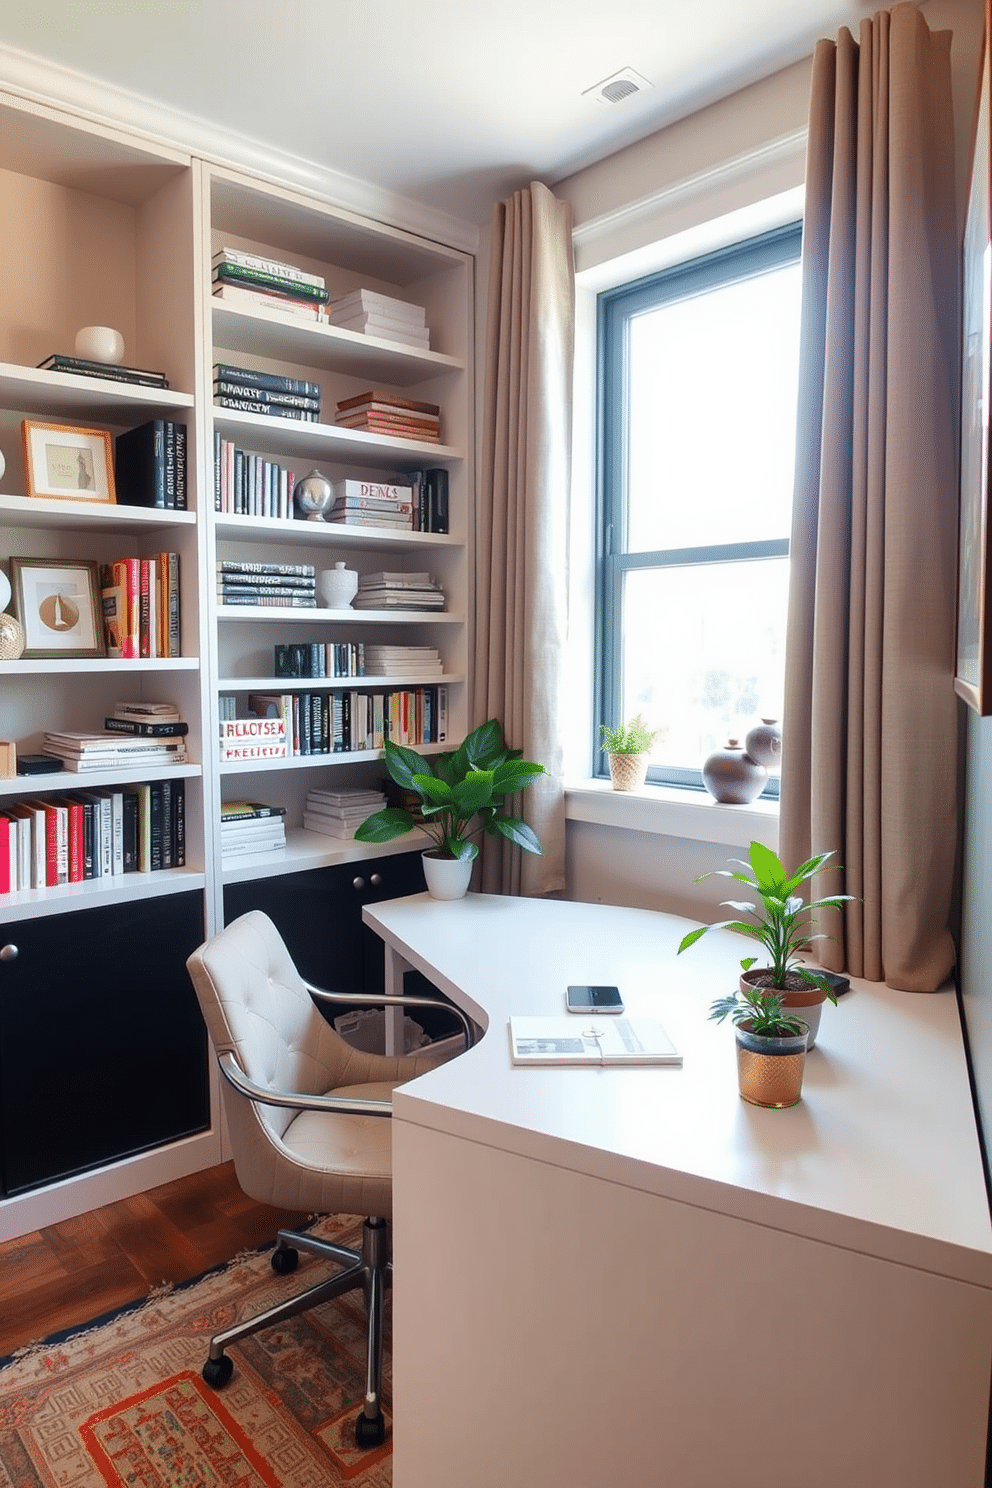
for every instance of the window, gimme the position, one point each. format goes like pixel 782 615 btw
pixel 698 371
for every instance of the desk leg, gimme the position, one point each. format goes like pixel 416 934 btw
pixel 395 966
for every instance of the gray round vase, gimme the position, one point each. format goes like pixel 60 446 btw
pixel 732 776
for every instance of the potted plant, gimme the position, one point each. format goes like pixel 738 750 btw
pixel 782 925
pixel 628 747
pixel 460 794
pixel 771 1046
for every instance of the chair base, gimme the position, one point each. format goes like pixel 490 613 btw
pixel 369 1268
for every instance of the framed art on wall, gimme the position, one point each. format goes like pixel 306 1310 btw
pixel 66 462
pixel 973 667
pixel 58 604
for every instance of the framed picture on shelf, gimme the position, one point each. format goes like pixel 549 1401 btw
pixel 57 601
pixel 973 664
pixel 70 463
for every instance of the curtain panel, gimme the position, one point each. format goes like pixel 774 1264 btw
pixel 869 733
pixel 522 522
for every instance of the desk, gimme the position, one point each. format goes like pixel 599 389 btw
pixel 610 1275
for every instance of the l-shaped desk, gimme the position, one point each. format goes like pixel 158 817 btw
pixel 630 1275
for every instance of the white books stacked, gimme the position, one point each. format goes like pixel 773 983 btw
pixel 402 661
pixel 340 813
pixel 397 591
pixel 251 827
pixel 110 751
pixel 359 503
pixel 375 314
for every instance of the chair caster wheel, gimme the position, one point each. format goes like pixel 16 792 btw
pixel 370 1431
pixel 285 1260
pixel 217 1372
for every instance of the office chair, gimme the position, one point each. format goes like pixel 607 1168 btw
pixel 304 1112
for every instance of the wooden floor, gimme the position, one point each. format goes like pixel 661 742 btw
pixel 72 1272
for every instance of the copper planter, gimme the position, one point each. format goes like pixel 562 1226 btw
pixel 770 1070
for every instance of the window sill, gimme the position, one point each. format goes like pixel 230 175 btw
pixel 670 812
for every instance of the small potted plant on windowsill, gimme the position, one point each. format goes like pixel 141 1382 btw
pixel 782 925
pixel 628 747
pixel 460 794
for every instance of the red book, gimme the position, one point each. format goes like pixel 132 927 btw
pixel 56 844
pixel 5 854
pixel 76 818
pixel 130 568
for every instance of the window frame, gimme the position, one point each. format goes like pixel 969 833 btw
pixel 615 307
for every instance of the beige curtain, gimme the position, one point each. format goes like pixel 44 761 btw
pixel 522 524
pixel 869 732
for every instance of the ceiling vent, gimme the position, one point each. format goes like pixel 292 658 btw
pixel 617 87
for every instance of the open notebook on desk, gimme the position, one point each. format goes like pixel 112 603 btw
pixel 575 1039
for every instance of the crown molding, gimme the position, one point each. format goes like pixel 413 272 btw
pixel 53 85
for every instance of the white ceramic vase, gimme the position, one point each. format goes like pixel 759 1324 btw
pixel 447 878
pixel 100 344
pixel 338 586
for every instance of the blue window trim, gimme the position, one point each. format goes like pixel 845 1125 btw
pixel 615 309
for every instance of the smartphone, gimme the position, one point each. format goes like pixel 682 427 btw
pixel 593 1000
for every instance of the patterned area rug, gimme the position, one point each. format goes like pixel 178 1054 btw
pixel 122 1401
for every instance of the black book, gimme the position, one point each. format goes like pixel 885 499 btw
pixel 139 465
pixel 437 499
pixel 274 381
pixel 170 463
pixel 233 566
pixel 170 730
pixel 293 659
pixel 168 844
pixel 182 501
pixel 228 389
pixel 116 371
pixel 179 824
pixel 130 832
pixel 156 823
pixel 251 405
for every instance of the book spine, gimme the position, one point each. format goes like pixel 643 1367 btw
pixel 173 613
pixel 268 266
pixel 132 603
pixel 76 846
pixel 233 273
pixel 149 730
pixel 130 834
pixel 282 602
pixel 168 838
pixel 437 500
pixel 232 566
pixel 169 463
pixel 272 380
pixel 182 500
pixel 112 607
pixel 179 824
pixel 250 405
pixel 156 825
pixel 258 394
pixel 144 609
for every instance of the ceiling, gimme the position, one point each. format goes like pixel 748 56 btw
pixel 454 103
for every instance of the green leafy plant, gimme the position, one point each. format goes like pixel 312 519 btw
pixel 460 794
pixel 761 1010
pixel 633 737
pixel 782 924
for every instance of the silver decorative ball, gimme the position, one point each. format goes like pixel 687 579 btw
pixel 12 639
pixel 312 496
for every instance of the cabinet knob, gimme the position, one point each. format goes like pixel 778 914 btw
pixel 8 953
pixel 375 879
pixel 357 883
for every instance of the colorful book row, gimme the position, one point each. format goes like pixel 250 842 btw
pixel 287 725
pixel 249 486
pixel 87 834
pixel 141 611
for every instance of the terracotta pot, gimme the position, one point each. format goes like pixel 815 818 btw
pixel 802 999
pixel 770 1070
pixel 447 878
pixel 628 771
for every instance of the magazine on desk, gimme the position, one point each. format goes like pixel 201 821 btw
pixel 575 1039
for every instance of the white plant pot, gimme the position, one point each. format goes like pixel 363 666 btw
pixel 447 878
pixel 100 344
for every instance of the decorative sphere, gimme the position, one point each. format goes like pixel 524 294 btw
pixel 312 496
pixel 11 638
pixel 3 467
pixel 100 344
pixel 732 776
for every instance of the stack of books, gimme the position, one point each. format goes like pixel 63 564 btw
pixel 359 503
pixel 251 282
pixel 374 314
pixel 86 834
pixel 116 371
pixel 319 659
pixel 267 393
pixel 402 661
pixel 150 465
pixel 147 721
pixel 276 585
pixel 397 591
pixel 251 827
pixel 391 414
pixel 430 499
pixel 111 750
pixel 340 813
pixel 140 602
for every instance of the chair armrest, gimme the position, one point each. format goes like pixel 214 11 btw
pixel 343 1105
pixel 362 999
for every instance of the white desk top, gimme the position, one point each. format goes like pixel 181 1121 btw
pixel 881 1155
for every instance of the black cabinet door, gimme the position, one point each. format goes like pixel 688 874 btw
pixel 103 1052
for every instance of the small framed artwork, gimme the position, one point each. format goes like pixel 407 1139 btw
pixel 73 464
pixel 973 665
pixel 58 604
